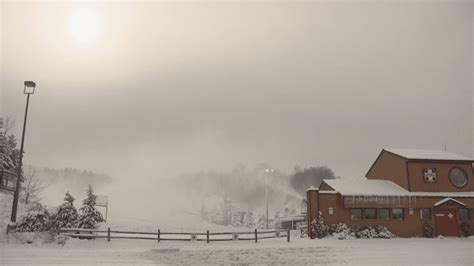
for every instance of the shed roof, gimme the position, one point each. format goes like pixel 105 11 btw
pixel 428 154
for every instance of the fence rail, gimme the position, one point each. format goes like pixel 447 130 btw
pixel 158 235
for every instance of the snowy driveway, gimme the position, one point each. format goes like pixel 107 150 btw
pixel 300 251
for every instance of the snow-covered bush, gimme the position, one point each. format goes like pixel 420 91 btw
pixel 383 232
pixel 66 215
pixel 378 232
pixel 318 228
pixel 341 231
pixel 465 229
pixel 366 232
pixel 428 230
pixel 37 219
pixel 89 216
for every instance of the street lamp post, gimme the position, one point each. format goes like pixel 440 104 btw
pixel 29 89
pixel 267 171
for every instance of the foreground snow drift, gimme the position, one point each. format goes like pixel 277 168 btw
pixel 455 251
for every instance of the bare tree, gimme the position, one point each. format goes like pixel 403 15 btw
pixel 32 186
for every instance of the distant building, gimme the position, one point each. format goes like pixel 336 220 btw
pixel 403 190
pixel 291 222
pixel 7 181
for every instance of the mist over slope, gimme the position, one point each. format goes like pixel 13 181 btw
pixel 178 199
pixel 58 181
pixel 244 186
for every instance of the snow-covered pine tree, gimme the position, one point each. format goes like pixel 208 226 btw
pixel 8 153
pixel 67 215
pixel 89 216
pixel 318 228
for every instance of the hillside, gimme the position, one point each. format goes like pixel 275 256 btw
pixel 58 181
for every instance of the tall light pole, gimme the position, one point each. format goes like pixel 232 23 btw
pixel 29 89
pixel 267 171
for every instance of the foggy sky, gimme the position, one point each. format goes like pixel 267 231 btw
pixel 170 88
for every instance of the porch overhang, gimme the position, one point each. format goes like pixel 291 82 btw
pixel 448 201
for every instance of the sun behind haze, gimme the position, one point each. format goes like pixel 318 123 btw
pixel 84 25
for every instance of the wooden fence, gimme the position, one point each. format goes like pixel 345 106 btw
pixel 175 236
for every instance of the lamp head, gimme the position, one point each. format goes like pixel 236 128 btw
pixel 29 87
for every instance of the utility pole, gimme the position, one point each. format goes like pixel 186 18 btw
pixel 267 171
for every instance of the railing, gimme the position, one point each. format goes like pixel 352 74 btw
pixel 174 236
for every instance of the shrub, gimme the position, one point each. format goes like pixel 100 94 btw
pixel 341 231
pixel 377 232
pixel 465 229
pixel 383 232
pixel 428 230
pixel 318 228
pixel 37 219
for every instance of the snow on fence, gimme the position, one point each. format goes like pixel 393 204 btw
pixel 174 236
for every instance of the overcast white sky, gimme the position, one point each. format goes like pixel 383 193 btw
pixel 168 88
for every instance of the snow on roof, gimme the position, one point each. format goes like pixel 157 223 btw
pixel 312 188
pixel 293 218
pixel 428 154
pixel 349 187
pixel 377 187
pixel 444 194
pixel 446 200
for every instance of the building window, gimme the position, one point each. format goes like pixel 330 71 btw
pixel 425 214
pixel 458 177
pixel 331 211
pixel 397 214
pixel 463 214
pixel 383 214
pixel 8 182
pixel 356 214
pixel 429 175
pixel 370 214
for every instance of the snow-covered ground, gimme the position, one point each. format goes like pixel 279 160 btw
pixel 447 251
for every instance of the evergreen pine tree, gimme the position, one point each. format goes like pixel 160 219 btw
pixel 89 216
pixel 318 228
pixel 67 215
pixel 8 152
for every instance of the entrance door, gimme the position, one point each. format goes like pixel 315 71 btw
pixel 446 222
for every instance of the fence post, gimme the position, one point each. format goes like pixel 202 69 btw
pixel 288 236
pixel 256 235
pixel 207 236
pixel 159 236
pixel 108 234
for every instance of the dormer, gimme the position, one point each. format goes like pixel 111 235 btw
pixel 424 170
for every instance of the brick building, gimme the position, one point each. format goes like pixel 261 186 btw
pixel 403 190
